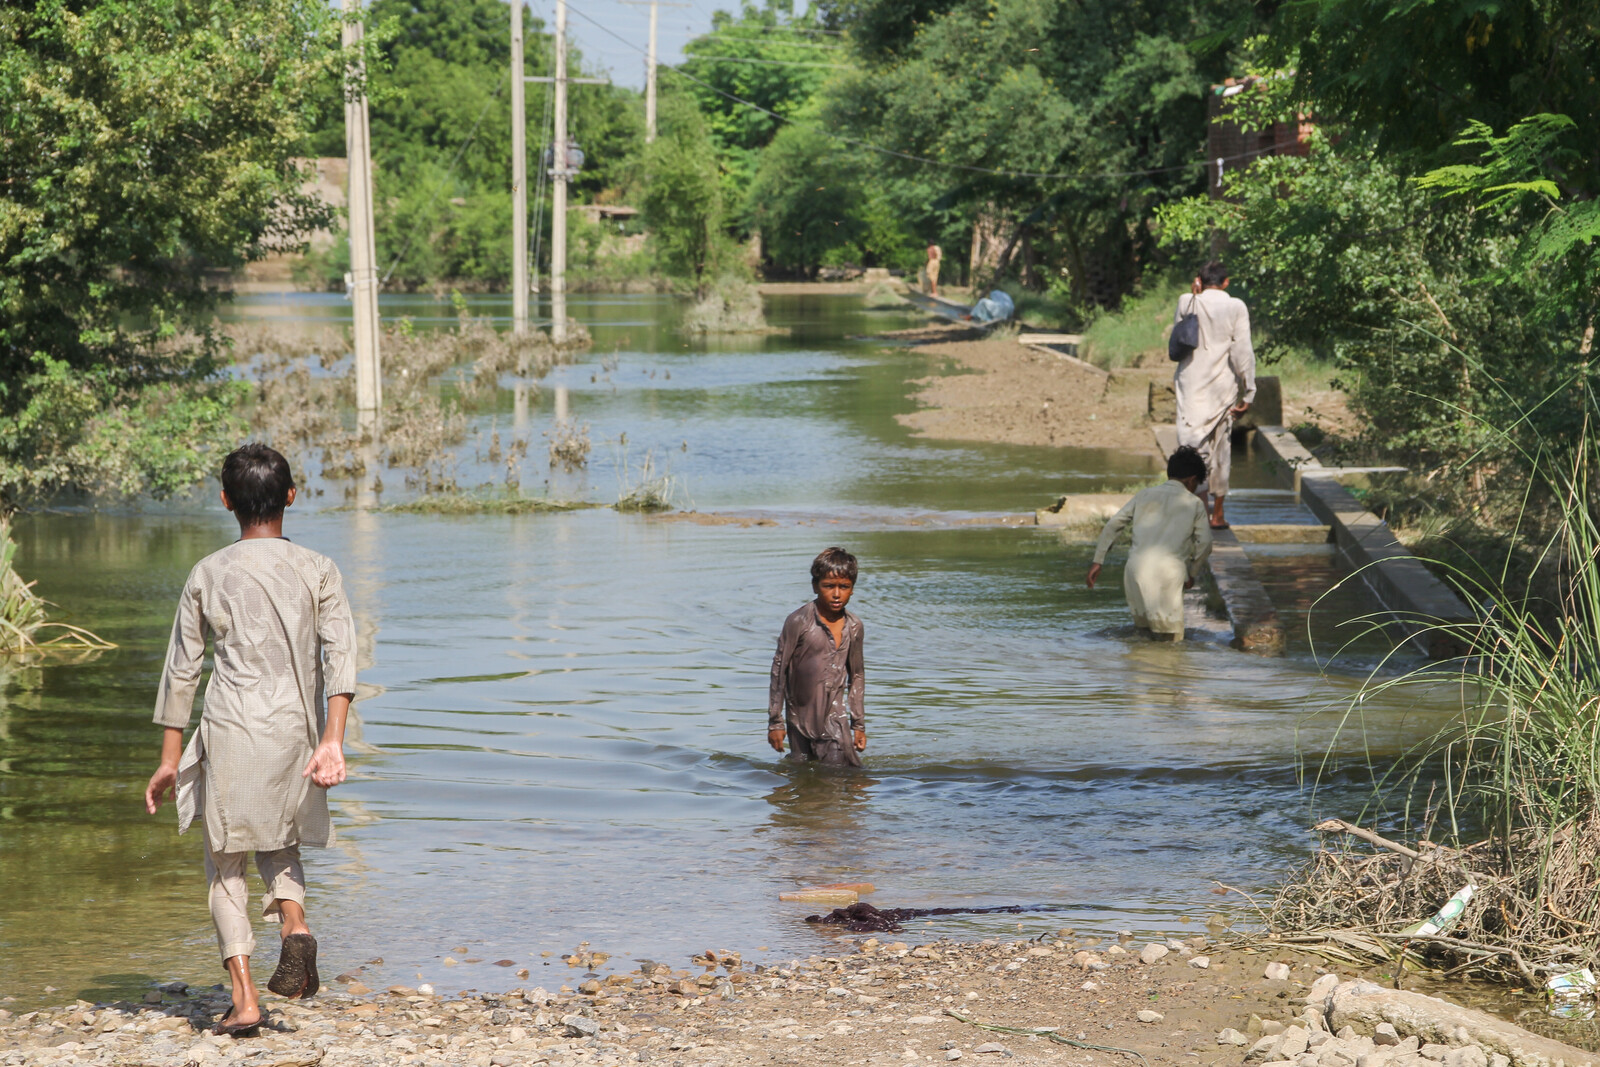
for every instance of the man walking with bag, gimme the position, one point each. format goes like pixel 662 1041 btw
pixel 1215 380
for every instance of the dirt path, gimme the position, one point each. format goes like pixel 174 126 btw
pixel 878 1002
pixel 1013 394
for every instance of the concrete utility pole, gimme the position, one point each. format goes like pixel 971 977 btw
pixel 558 195
pixel 560 171
pixel 363 253
pixel 650 66
pixel 519 179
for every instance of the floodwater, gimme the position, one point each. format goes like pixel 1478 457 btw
pixel 561 717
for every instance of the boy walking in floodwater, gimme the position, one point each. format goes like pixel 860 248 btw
pixel 258 768
pixel 818 692
pixel 1171 538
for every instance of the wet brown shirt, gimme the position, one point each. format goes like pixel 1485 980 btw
pixel 824 686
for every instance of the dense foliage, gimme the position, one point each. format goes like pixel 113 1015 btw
pixel 441 138
pixel 145 144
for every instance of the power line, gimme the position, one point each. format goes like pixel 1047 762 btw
pixel 691 58
pixel 923 159
pixel 772 41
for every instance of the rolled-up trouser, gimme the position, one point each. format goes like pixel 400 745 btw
pixel 1216 448
pixel 230 894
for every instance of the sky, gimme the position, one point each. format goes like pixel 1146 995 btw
pixel 625 64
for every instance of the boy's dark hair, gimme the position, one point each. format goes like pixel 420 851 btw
pixel 1213 273
pixel 833 563
pixel 257 481
pixel 1186 462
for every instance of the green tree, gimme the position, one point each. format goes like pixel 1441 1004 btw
pixel 1006 102
pixel 819 201
pixel 682 202
pixel 145 144
pixel 767 57
pixel 1341 253
pixel 441 137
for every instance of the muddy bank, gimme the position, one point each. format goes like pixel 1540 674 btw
pixel 881 1000
pixel 1004 392
pixel 1013 394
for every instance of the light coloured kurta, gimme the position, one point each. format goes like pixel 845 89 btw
pixel 1218 374
pixel 282 635
pixel 1171 539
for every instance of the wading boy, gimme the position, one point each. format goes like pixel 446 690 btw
pixel 818 691
pixel 1171 538
pixel 258 767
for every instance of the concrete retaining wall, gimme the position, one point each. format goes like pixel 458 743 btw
pixel 1395 576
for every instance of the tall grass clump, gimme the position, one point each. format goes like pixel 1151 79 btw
pixel 1507 799
pixel 25 626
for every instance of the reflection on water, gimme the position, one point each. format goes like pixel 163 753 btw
pixel 561 731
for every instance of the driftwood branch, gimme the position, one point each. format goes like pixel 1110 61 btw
pixel 1339 826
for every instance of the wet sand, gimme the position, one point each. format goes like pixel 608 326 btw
pixel 880 1001
pixel 1013 394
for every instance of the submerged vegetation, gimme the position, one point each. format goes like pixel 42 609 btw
pixel 26 631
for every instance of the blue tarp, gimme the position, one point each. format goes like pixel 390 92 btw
pixel 996 307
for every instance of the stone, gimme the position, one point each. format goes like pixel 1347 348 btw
pixel 425 990
pixel 1364 1005
pixel 1274 1026
pixel 357 989
pixel 953 1054
pixel 1148 1016
pixel 580 1026
pixel 1152 952
pixel 1321 988
pixel 1347 1033
pixel 1230 1036
pixel 1265 1048
pixel 1497 1060
pixel 1277 972
pixel 1385 1034
pixel 838 991
pixel 1295 1041
pixel 1466 1056
pixel 1202 962
pixel 1376 1058
pixel 992 1046
pixel 1116 950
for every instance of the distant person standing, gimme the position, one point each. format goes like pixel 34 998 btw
pixel 935 256
pixel 1216 382
pixel 1170 542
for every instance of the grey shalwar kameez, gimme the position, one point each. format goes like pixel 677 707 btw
pixel 282 636
pixel 823 685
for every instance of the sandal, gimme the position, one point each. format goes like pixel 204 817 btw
pixel 227 1029
pixel 296 976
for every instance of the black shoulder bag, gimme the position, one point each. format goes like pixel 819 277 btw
pixel 1185 337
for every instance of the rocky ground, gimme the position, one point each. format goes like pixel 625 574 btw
pixel 884 1002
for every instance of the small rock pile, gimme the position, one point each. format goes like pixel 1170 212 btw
pixel 1360 1024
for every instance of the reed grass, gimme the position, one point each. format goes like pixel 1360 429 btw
pixel 1507 798
pixel 25 627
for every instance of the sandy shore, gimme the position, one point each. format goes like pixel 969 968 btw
pixel 884 1001
pixel 1008 393
pixel 1013 394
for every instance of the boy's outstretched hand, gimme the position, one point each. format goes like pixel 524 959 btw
pixel 775 736
pixel 327 765
pixel 861 739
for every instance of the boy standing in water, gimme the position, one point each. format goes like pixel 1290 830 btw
pixel 259 765
pixel 1171 538
pixel 818 690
